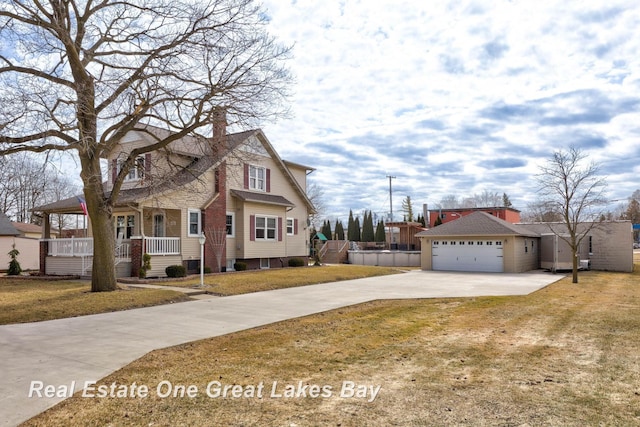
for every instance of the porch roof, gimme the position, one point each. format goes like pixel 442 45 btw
pixel 270 199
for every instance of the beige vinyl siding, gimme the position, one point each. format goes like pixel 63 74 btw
pixel 611 241
pixel 263 248
pixel 291 245
pixel 426 257
pixel 516 258
pixel 65 265
pixel 160 262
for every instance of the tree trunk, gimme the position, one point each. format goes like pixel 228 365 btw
pixel 103 275
pixel 575 266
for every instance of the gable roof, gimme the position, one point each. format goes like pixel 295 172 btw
pixel 478 224
pixel 6 228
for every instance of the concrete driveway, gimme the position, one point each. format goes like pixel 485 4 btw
pixel 88 348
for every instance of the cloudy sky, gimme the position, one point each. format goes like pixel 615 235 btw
pixel 456 97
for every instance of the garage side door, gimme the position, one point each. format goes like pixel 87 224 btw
pixel 467 255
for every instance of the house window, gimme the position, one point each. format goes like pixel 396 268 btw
pixel 257 178
pixel 461 243
pixel 470 243
pixel 490 243
pixel 194 223
pixel 264 263
pixel 479 243
pixel 266 228
pixel 290 228
pixel 158 225
pixel 136 172
pixel 499 243
pixel 231 229
pixel 124 226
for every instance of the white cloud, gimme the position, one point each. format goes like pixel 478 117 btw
pixel 447 96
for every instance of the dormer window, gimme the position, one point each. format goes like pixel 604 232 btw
pixel 257 178
pixel 136 172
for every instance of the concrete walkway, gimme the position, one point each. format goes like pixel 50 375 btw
pixel 88 348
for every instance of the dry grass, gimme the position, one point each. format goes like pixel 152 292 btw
pixel 36 300
pixel 565 355
pixel 265 280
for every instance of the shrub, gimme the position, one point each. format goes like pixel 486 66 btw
pixel 14 265
pixel 296 262
pixel 176 271
pixel 240 266
pixel 146 266
pixel 207 270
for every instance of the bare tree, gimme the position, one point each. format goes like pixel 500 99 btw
pixel 82 74
pixel 573 190
pixel 26 182
pixel 407 208
pixel 488 199
pixel 316 195
pixel 450 201
pixel 216 241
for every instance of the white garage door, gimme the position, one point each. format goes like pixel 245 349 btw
pixel 467 255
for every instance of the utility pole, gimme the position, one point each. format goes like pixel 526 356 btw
pixel 390 209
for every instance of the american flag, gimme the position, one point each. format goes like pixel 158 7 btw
pixel 83 205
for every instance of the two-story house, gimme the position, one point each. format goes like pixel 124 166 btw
pixel 250 204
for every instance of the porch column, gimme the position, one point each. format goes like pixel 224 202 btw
pixel 46 231
pixel 44 250
pixel 44 244
pixel 136 255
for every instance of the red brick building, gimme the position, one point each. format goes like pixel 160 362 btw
pixel 446 215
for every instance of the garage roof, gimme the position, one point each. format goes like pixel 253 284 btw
pixel 478 224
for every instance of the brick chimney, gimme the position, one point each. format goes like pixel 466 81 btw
pixel 219 127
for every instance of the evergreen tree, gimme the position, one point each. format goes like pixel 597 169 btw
pixel 351 228
pixel 14 265
pixel 368 234
pixel 326 229
pixel 506 202
pixel 339 230
pixel 356 227
pixel 380 234
pixel 438 221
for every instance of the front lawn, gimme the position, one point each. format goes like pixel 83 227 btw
pixel 33 300
pixel 565 355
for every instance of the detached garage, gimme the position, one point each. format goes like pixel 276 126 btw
pixel 480 242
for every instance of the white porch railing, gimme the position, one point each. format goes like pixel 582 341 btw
pixel 71 247
pixel 83 247
pixel 162 245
